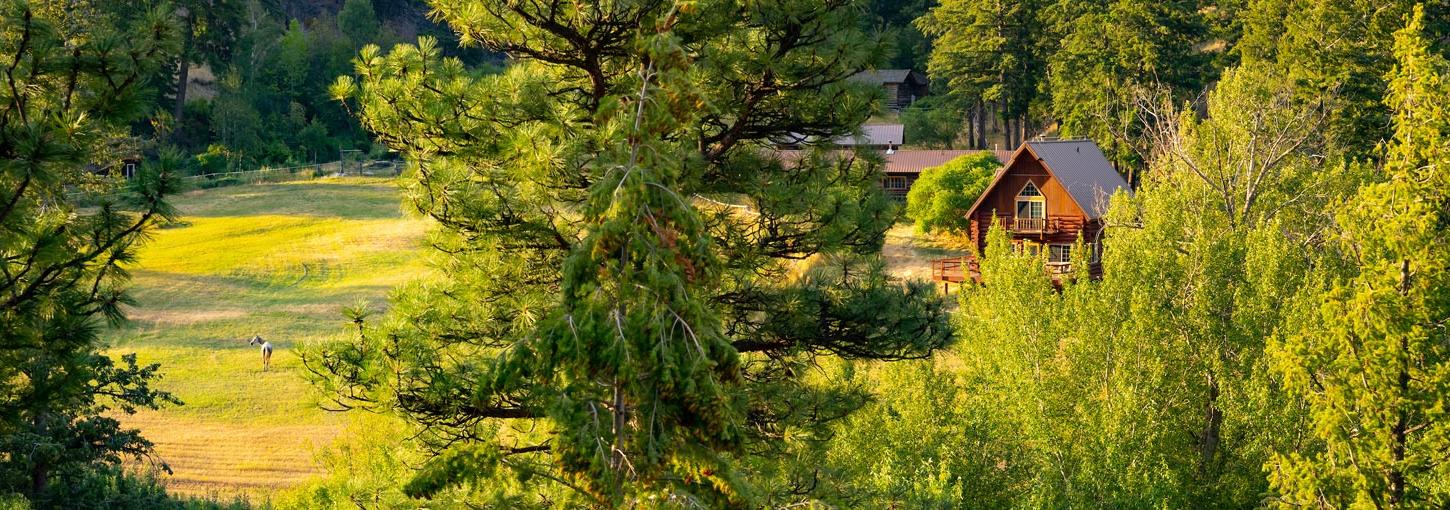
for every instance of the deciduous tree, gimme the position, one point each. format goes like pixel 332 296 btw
pixel 1373 358
pixel 940 197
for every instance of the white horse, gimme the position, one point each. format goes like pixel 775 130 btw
pixel 266 350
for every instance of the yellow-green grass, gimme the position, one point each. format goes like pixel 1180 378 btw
pixel 281 261
pixel 277 260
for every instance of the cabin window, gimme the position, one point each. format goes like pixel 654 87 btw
pixel 1030 203
pixel 1027 247
pixel 1059 254
pixel 896 183
pixel 129 170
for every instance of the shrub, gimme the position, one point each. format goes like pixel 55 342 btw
pixel 113 488
pixel 939 199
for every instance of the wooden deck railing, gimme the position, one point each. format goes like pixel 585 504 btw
pixel 1049 225
pixel 1029 224
pixel 954 269
pixel 961 269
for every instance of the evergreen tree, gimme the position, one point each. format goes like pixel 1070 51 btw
pixel 208 31
pixel 933 122
pixel 1339 50
pixel 893 18
pixel 989 53
pixel 70 85
pixel 358 21
pixel 632 288
pixel 1373 358
pixel 1111 52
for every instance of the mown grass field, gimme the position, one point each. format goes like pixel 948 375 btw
pixel 281 261
pixel 277 260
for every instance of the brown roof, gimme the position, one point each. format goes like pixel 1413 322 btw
pixel 910 161
pixel 914 161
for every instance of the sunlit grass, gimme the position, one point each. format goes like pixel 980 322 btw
pixel 279 260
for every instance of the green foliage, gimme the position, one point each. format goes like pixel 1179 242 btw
pixel 1338 52
pixel 365 467
pixel 631 292
pixel 941 196
pixel 358 21
pixel 1372 359
pixel 987 51
pixel 1110 52
pixel 213 161
pixel 928 440
pixel 1147 388
pixel 894 19
pixel 1082 65
pixel 68 89
pixel 113 488
pixel 933 121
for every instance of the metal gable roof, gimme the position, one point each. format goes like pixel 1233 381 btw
pixel 1078 165
pixel 882 76
pixel 1082 169
pixel 875 134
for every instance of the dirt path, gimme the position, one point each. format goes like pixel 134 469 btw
pixel 909 255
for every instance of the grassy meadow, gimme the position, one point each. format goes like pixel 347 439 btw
pixel 277 260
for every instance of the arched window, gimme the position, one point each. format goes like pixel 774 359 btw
pixel 1030 204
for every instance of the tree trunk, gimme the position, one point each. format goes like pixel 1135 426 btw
pixel 1213 424
pixel 982 126
pixel 1006 124
pixel 981 141
pixel 996 119
pixel 40 471
pixel 972 127
pixel 1400 430
pixel 183 76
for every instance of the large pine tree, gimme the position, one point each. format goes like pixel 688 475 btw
pixel 632 286
pixel 69 84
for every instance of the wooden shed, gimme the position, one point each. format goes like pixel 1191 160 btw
pixel 902 86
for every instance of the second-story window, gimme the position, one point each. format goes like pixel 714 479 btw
pixel 1030 203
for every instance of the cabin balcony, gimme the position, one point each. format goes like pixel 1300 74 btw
pixel 1036 226
pixel 1029 225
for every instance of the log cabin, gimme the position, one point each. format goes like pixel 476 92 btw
pixel 1048 194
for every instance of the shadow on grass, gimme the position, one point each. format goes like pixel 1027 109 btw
pixel 210 311
pixel 349 200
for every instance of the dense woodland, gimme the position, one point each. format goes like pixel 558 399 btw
pixel 639 304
